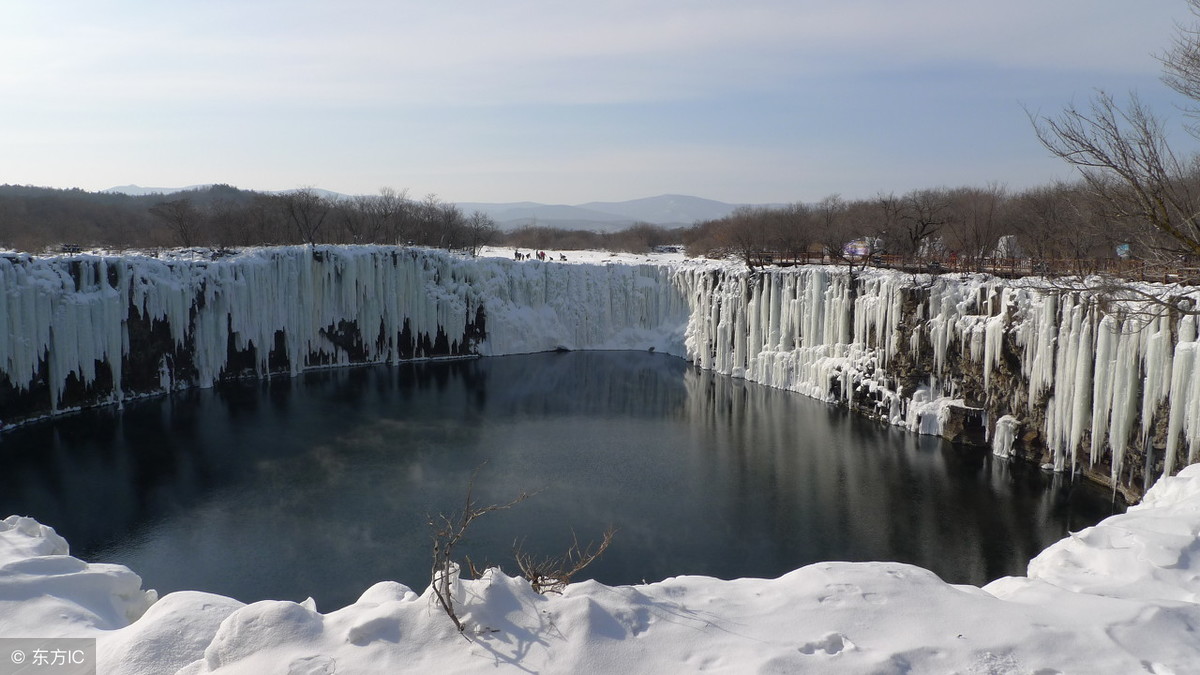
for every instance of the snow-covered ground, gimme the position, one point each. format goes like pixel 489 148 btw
pixel 1121 597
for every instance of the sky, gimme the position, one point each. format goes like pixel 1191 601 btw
pixel 755 101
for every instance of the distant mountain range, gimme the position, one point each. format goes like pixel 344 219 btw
pixel 139 191
pixel 603 216
pixel 668 210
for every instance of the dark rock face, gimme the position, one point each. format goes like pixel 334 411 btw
pixel 965 425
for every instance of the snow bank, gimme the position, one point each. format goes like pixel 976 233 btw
pixel 44 592
pixel 1120 597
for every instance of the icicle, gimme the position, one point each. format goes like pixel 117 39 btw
pixel 1102 383
pixel 1182 375
pixel 1005 436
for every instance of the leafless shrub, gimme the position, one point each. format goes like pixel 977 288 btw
pixel 448 531
pixel 545 574
pixel 551 574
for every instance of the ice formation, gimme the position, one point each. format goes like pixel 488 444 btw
pixel 1005 436
pixel 68 315
pixel 1098 378
pixel 1098 375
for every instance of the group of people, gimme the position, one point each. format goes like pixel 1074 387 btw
pixel 540 255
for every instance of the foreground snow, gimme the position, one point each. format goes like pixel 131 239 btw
pixel 1120 597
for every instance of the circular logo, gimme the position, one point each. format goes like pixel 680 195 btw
pixel 18 656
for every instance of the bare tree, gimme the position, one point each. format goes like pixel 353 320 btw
pixel 974 221
pixel 789 229
pixel 481 231
pixel 1122 154
pixel 1124 159
pixel 889 208
pixel 350 217
pixel 743 233
pixel 1181 63
pixel 1040 217
pixel 266 221
pixel 307 211
pixel 545 574
pixel 392 207
pixel 832 227
pixel 922 217
pixel 227 224
pixel 182 216
pixel 829 212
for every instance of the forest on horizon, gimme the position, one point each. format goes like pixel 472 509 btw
pixel 1057 221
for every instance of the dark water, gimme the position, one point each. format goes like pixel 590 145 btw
pixel 323 484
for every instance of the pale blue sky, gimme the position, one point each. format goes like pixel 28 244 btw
pixel 558 102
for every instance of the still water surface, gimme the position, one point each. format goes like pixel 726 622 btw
pixel 323 484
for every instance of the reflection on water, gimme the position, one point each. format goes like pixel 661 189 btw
pixel 322 484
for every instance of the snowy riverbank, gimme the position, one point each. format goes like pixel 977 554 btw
pixel 1121 597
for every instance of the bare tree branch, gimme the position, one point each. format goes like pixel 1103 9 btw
pixel 1122 155
pixel 448 531
pixel 551 574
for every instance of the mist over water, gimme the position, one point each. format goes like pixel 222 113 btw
pixel 323 484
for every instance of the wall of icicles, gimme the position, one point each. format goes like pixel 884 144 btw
pixel 87 330
pixel 1068 378
pixel 1058 376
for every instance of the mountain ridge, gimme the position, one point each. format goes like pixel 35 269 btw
pixel 663 210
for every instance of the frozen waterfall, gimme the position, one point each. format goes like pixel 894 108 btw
pixel 1089 382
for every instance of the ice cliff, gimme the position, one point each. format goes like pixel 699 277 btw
pixel 96 329
pixel 1067 377
pixel 1079 383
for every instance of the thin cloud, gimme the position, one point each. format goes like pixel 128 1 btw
pixel 373 89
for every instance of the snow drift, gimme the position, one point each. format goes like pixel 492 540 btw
pixel 1120 597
